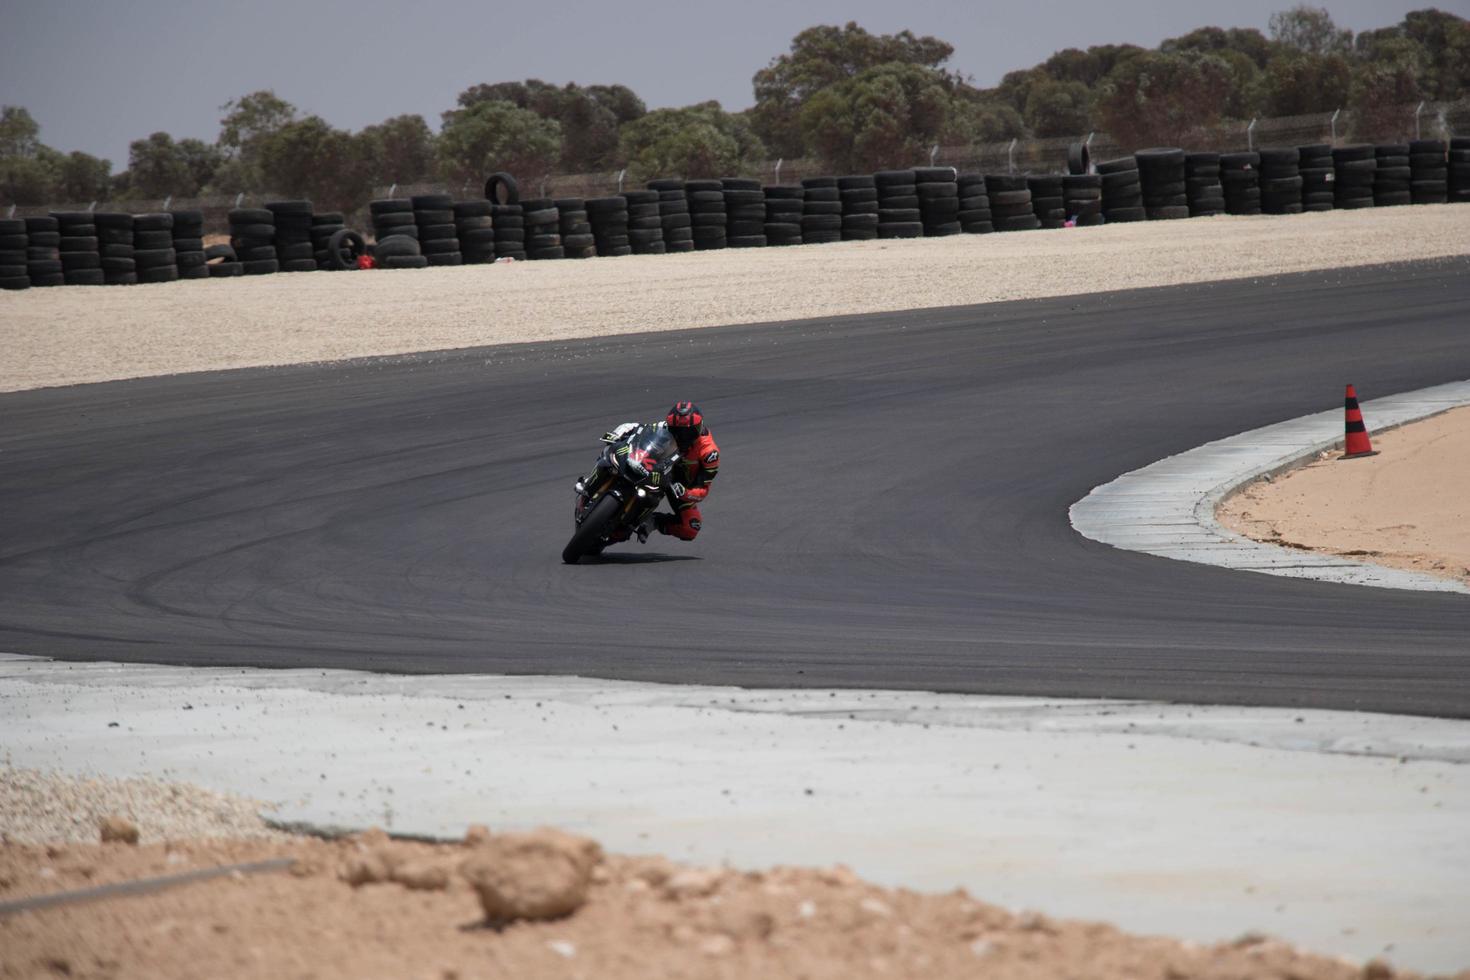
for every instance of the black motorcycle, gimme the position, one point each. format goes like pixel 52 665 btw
pixel 631 479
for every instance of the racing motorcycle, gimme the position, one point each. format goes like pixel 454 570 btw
pixel 630 481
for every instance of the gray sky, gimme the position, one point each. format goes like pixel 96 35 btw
pixel 97 74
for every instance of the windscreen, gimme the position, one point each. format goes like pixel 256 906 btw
pixel 656 440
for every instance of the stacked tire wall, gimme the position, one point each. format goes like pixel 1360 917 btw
pixel 939 200
pixel 1122 191
pixel 858 195
pixel 576 231
pixel 188 233
pixel 821 211
pixel 898 204
pixel 1391 175
pixel 609 219
pixel 1082 199
pixel 15 244
pixel 1161 174
pixel 115 246
pixel 1010 203
pixel 81 264
pixel 707 212
pixel 43 256
pixel 1457 185
pixel 1202 187
pixel 1315 166
pixel 645 223
pixel 673 214
pixel 1281 180
pixel 1352 182
pixel 975 215
pixel 253 237
pixel 1240 179
pixel 783 214
pixel 1047 202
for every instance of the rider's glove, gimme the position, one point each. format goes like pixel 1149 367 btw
pixel 677 489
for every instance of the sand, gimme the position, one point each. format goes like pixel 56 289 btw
pixel 368 906
pixel 71 335
pixel 1408 507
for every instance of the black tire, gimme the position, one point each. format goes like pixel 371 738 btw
pixel 225 270
pixel 405 262
pixel 344 248
pixel 159 273
pixel 1078 158
pixel 589 533
pixel 499 180
pixel 387 205
pixel 225 252
pixel 261 267
pixel 161 221
pixel 395 246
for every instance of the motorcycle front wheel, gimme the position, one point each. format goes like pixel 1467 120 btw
pixel 585 539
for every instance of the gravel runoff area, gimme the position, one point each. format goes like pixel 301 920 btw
pixel 73 335
pixel 1407 507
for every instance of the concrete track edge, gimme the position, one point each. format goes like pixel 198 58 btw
pixel 1168 508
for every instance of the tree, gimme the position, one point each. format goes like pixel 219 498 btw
pixel 590 118
pixel 202 160
pixel 157 168
pixel 247 122
pixel 1156 98
pixel 1385 89
pixel 307 158
pixel 1310 30
pixel 978 117
pixel 400 150
pixel 497 135
pixel 887 116
pixel 1296 84
pixel 1215 40
pixel 824 56
pixel 29 180
pixel 696 141
pixel 1058 109
pixel 84 177
pixel 19 133
pixel 1445 40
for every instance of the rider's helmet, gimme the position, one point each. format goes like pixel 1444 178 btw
pixel 685 421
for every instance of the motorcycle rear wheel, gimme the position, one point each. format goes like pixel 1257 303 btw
pixel 585 539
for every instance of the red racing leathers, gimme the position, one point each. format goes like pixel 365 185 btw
pixel 696 470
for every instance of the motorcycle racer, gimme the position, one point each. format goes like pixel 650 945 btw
pixel 699 464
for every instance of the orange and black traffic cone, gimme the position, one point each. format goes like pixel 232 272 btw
pixel 1356 443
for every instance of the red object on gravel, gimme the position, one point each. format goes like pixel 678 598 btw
pixel 366 262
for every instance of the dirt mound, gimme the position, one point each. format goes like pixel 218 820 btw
pixel 549 904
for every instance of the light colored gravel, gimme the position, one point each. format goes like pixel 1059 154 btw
pixel 50 807
pixel 73 335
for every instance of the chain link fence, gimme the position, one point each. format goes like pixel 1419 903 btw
pixel 1427 120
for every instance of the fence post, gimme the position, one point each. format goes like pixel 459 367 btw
pixel 11 212
pixel 1011 157
pixel 91 207
pixel 1250 136
pixel 1418 109
pixel 621 174
pixel 1333 124
pixel 166 202
pixel 779 161
pixel 238 198
pixel 933 153
pixel 392 188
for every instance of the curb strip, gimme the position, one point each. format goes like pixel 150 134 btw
pixel 1168 508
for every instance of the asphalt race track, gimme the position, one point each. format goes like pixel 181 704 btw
pixel 892 509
